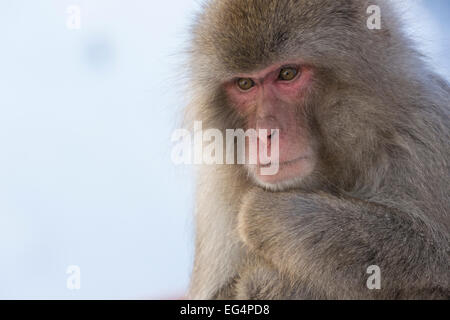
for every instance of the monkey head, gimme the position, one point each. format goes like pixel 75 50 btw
pixel 293 66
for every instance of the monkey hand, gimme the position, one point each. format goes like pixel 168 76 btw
pixel 258 211
pixel 290 227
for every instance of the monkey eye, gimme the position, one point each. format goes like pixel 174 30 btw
pixel 245 84
pixel 288 74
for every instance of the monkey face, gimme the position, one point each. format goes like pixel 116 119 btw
pixel 274 99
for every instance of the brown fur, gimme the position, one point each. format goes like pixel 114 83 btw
pixel 380 192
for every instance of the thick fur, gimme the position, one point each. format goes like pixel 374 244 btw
pixel 380 193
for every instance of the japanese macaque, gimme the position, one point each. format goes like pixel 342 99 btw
pixel 364 155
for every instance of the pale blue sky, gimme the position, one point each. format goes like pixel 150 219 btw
pixel 85 123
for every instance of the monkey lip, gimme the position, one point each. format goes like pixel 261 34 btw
pixel 284 163
pixel 290 171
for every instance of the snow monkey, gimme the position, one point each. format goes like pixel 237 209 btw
pixel 363 125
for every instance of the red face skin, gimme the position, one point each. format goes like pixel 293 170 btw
pixel 273 103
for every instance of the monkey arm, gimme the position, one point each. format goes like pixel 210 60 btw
pixel 331 241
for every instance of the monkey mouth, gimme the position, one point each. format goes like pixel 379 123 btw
pixel 284 163
pixel 280 174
